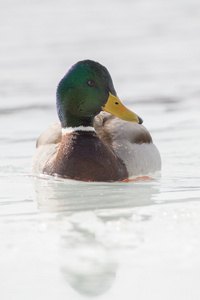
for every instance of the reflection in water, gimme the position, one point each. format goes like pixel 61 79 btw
pixel 57 194
pixel 97 225
pixel 89 270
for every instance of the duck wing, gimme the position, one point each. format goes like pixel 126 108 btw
pixel 131 142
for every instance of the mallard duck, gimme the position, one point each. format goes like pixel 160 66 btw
pixel 96 138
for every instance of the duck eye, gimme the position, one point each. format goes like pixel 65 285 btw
pixel 116 102
pixel 90 82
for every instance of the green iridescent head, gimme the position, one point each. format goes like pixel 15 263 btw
pixel 82 93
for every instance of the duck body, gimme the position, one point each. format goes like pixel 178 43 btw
pixel 115 151
pixel 98 146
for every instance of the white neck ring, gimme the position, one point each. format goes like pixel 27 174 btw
pixel 67 130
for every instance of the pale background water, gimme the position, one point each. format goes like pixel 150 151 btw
pixel 61 239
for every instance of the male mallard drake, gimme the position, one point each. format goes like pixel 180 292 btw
pixel 89 143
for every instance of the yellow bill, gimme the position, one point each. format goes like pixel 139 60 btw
pixel 115 107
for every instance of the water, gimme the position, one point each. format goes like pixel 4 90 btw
pixel 65 239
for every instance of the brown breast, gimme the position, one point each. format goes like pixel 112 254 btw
pixel 84 156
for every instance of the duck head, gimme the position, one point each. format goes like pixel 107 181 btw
pixel 84 92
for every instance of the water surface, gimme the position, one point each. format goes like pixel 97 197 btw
pixel 66 239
